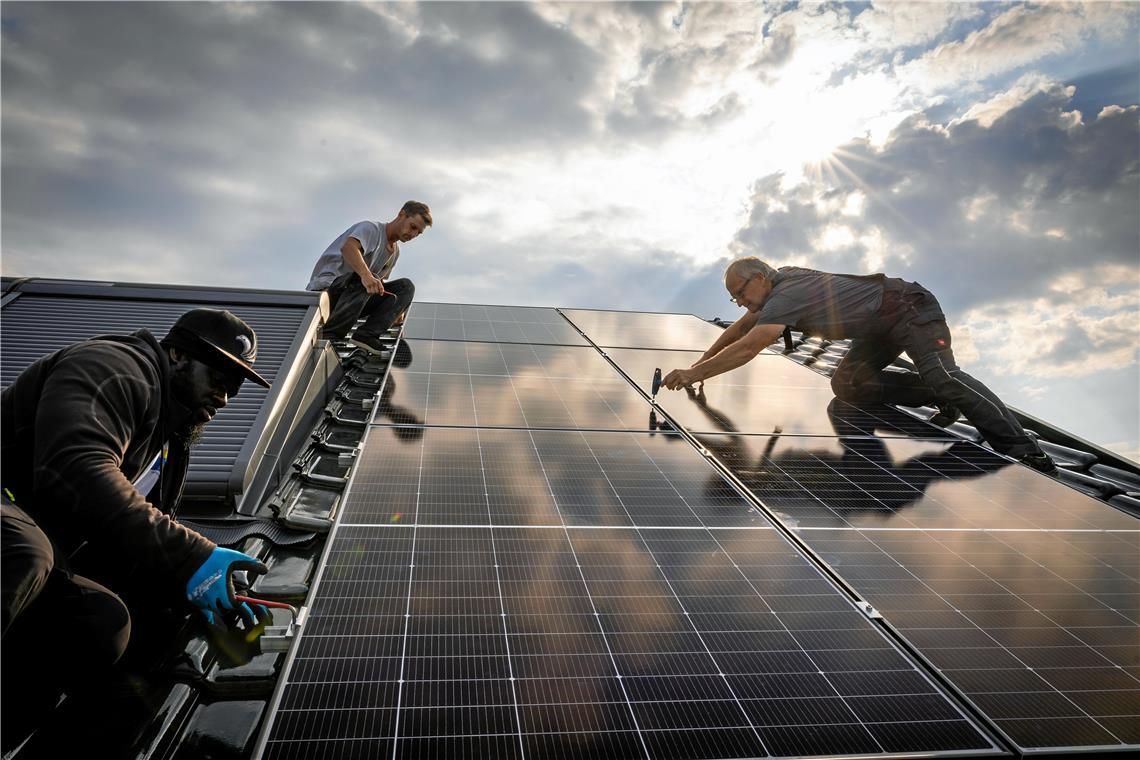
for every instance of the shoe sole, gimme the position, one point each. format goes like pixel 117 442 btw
pixel 370 349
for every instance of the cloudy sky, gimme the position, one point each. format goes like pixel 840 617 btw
pixel 609 155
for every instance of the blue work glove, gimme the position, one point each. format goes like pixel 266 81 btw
pixel 211 588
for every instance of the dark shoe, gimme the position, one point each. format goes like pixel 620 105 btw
pixel 330 336
pixel 946 416
pixel 1041 462
pixel 369 343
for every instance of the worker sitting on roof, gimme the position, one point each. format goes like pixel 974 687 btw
pixel 88 432
pixel 353 269
pixel 884 316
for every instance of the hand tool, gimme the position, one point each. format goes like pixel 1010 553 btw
pixel 277 638
pixel 656 385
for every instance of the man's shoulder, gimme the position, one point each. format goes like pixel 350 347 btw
pixel 114 355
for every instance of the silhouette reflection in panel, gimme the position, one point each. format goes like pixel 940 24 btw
pixel 409 426
pixel 849 479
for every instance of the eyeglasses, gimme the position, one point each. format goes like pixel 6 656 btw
pixel 735 296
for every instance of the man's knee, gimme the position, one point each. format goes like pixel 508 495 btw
pixel 28 560
pixel 106 620
pixel 844 387
pixel 404 288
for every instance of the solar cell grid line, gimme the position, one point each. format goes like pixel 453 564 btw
pixel 593 607
pixel 1011 633
pixel 499 587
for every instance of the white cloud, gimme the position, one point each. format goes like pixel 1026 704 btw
pixel 1019 36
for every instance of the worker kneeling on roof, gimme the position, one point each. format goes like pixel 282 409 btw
pixel 883 316
pixel 88 432
pixel 354 271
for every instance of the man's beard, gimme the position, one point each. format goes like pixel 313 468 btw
pixel 192 436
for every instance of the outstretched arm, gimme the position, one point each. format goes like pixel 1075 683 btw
pixel 731 334
pixel 734 355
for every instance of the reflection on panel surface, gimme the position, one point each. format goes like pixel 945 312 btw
pixel 900 483
pixel 600 643
pixel 508 385
pixel 503 324
pixel 769 392
pixel 642 330
pixel 1040 629
pixel 522 477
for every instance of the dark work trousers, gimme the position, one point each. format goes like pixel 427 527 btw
pixel 911 320
pixel 60 630
pixel 348 301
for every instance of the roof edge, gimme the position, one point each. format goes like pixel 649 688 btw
pixel 158 292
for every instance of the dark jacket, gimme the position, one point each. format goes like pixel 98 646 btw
pixel 78 427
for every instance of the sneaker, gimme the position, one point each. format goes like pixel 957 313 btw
pixel 946 416
pixel 369 343
pixel 1041 462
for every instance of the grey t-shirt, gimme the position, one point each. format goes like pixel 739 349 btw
pixel 374 242
pixel 820 303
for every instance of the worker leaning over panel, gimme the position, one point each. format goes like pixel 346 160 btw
pixel 88 432
pixel 883 316
pixel 353 270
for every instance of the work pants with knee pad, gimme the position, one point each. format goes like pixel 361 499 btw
pixel 911 320
pixel 348 301
pixel 61 631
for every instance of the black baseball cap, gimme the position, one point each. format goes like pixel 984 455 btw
pixel 219 339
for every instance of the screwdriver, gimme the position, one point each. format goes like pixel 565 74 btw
pixel 656 385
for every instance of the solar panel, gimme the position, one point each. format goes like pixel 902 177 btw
pixel 1014 586
pixel 629 329
pixel 1037 628
pixel 478 640
pixel 495 384
pixel 503 324
pixel 767 394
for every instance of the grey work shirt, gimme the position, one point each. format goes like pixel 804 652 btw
pixel 820 303
pixel 373 237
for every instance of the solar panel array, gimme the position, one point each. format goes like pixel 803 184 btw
pixel 522 568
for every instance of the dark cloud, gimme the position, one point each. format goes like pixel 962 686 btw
pixel 1116 85
pixel 980 214
pixel 474 76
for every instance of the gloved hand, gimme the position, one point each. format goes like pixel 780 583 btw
pixel 211 588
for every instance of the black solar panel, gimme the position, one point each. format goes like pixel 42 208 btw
pixel 594 642
pixel 628 329
pixel 767 394
pixel 1039 629
pixel 498 384
pixel 503 324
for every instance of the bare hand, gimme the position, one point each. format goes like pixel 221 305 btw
pixel 373 285
pixel 679 378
